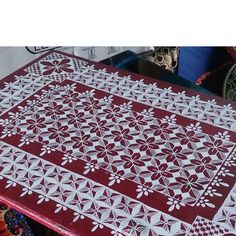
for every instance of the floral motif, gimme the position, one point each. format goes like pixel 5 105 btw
pixel 218 182
pixel 159 171
pixel 81 141
pixel 169 89
pixel 60 207
pixel 149 144
pixel 122 135
pixel 14 115
pixel 105 150
pixel 128 105
pixel 26 191
pixel 99 126
pixel 67 87
pixel 7 133
pixel 78 216
pixel 133 160
pixel 115 179
pixel 136 121
pixel 42 198
pixel 203 202
pixel 225 172
pixel 90 167
pixel 115 233
pixel 196 98
pixel 230 162
pixel 212 192
pixel 227 107
pixel 89 93
pixel 106 99
pixel 46 149
pixel 189 138
pixel 162 130
pixel 174 204
pixel 57 133
pixel 195 127
pixel 224 135
pixel 174 153
pixel 54 109
pixel 5 122
pixel 36 123
pixel 143 191
pixel 113 113
pixel 96 226
pixel 71 98
pixel 148 112
pixel 25 140
pixel 204 165
pixel 68 158
pixel 191 183
pixel 170 119
pixel 76 118
pixel 10 183
pixel 217 147
pixel 56 66
pixel 91 105
pixel 211 102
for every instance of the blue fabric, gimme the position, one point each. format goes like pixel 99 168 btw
pixel 194 61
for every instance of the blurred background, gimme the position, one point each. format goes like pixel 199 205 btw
pixel 207 69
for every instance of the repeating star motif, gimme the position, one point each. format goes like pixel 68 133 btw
pixel 168 100
pixel 156 154
pixel 90 199
pixel 140 141
pixel 226 215
pixel 166 224
pixel 228 218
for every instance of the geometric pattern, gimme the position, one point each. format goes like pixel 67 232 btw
pixel 56 66
pixel 15 92
pixel 203 227
pixel 152 95
pixel 165 157
pixel 226 216
pixel 113 154
pixel 85 197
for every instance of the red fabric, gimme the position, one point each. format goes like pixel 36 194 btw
pixel 232 52
pixel 105 152
pixel 207 74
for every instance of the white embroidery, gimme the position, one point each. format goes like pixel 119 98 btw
pixel 178 103
pixel 84 196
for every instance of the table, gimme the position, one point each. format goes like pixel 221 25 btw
pixel 87 149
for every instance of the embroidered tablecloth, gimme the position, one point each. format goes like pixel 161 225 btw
pixel 89 150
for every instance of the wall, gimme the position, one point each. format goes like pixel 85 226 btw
pixel 12 58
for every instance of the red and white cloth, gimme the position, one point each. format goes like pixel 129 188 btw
pixel 89 150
